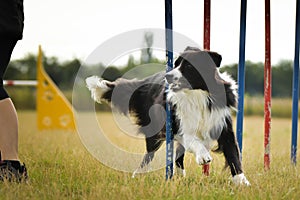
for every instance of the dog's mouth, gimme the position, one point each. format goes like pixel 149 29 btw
pixel 174 86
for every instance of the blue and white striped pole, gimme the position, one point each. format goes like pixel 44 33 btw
pixel 295 89
pixel 241 75
pixel 169 67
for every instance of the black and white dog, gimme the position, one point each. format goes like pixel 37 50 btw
pixel 201 100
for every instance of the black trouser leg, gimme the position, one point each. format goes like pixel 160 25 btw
pixel 6 47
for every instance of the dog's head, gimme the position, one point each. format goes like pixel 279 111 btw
pixel 195 69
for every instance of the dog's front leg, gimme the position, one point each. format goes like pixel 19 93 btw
pixel 194 145
pixel 229 146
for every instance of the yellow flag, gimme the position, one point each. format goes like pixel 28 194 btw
pixel 54 111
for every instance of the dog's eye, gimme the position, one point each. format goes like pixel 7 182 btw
pixel 178 61
pixel 187 67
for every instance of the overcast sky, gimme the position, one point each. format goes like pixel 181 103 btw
pixel 74 28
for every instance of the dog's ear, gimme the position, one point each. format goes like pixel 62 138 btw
pixel 178 61
pixel 217 58
pixel 188 48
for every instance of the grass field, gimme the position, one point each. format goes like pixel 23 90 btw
pixel 61 168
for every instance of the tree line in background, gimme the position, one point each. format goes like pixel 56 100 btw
pixel 282 75
pixel 64 73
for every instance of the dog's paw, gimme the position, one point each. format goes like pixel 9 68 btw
pixel 140 171
pixel 240 179
pixel 134 174
pixel 202 155
pixel 203 158
pixel 180 172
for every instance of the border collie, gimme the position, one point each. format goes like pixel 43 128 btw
pixel 201 99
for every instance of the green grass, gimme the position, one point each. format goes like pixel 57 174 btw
pixel 61 168
pixel 281 107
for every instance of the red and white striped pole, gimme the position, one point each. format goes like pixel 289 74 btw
pixel 206 45
pixel 20 83
pixel 267 85
pixel 206 28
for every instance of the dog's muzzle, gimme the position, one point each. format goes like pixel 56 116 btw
pixel 169 78
pixel 172 80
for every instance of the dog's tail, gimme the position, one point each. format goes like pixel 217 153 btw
pixel 98 88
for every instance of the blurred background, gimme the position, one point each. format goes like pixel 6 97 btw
pixel 70 30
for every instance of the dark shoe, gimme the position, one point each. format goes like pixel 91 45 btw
pixel 13 171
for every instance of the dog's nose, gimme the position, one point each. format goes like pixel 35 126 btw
pixel 169 78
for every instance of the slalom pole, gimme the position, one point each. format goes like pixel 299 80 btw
pixel 241 75
pixel 206 45
pixel 267 85
pixel 206 25
pixel 169 67
pixel 295 89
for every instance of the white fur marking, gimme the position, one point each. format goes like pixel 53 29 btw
pixel 240 179
pixel 180 172
pixel 176 74
pixel 193 144
pixel 197 122
pixel 195 117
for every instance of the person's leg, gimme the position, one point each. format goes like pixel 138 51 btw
pixel 8 130
pixel 8 115
pixel 10 167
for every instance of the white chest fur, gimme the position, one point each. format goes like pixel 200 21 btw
pixel 196 119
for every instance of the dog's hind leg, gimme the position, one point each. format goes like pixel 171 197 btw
pixel 228 144
pixel 144 166
pixel 179 160
pixel 152 144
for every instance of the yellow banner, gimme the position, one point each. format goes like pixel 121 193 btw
pixel 54 111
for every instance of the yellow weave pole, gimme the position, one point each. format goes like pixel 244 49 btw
pixel 54 111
